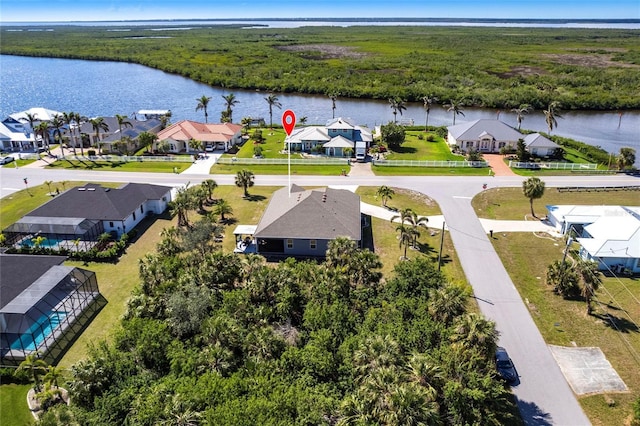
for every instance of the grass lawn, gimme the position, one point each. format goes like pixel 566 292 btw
pixel 118 166
pixel 429 171
pixel 13 405
pixel 510 204
pixel 271 146
pixel 414 148
pixel 281 169
pixel 402 199
pixel 563 322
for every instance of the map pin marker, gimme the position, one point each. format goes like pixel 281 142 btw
pixel 288 121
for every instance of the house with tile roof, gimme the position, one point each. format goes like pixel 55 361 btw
pixel 216 136
pixel 75 219
pixel 333 139
pixel 301 223
pixel 609 235
pixel 44 305
pixel 484 135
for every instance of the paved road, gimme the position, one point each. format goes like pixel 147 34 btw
pixel 543 395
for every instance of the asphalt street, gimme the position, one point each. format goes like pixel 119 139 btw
pixel 543 395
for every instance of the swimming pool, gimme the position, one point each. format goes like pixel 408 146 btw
pixel 48 243
pixel 39 331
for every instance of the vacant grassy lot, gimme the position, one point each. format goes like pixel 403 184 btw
pixel 119 166
pixel 510 204
pixel 417 147
pixel 563 322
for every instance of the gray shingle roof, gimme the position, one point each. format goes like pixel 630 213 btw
pixel 473 130
pixel 322 214
pixel 539 141
pixel 93 201
pixel 19 271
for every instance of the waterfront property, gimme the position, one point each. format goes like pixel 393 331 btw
pixel 337 139
pixel 538 145
pixel 75 219
pixel 213 136
pixel 609 235
pixel 483 135
pixel 43 306
pixel 17 133
pixel 300 223
pixel 111 133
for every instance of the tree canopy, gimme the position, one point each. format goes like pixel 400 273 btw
pixel 214 338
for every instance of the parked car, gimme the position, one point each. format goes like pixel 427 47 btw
pixel 6 160
pixel 505 366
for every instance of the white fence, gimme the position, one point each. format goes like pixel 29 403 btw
pixel 554 166
pixel 297 161
pixel 129 159
pixel 425 163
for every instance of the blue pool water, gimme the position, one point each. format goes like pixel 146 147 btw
pixel 46 243
pixel 39 331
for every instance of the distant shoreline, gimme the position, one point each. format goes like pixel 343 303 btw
pixel 532 21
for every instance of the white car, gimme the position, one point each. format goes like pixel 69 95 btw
pixel 6 160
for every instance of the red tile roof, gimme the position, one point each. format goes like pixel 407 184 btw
pixel 186 130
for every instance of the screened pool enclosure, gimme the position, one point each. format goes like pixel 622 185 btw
pixel 45 315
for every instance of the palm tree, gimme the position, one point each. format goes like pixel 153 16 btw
pixel 196 145
pixel 123 120
pixel 230 101
pixel 244 180
pixel 521 112
pixel 272 100
pixel 410 217
pixel 35 366
pixel 203 103
pixel 303 120
pixel 339 251
pixel 428 101
pixel 56 124
pixel 474 331
pixel 209 185
pixel 447 302
pixel 181 205
pixel 223 208
pixel 146 140
pixel 68 118
pixel 551 114
pixel 626 158
pixel 333 96
pixel 590 277
pixel 48 183
pixel 385 193
pixel 42 129
pixel 405 237
pixel 456 108
pixel 376 353
pixel 31 119
pixel 563 277
pixel 397 105
pixel 533 188
pixel 53 376
pixel 98 124
pixel 79 119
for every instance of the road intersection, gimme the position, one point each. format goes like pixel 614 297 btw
pixel 543 395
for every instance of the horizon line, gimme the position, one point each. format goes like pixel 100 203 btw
pixel 350 19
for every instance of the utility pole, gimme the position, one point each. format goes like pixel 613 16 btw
pixel 441 242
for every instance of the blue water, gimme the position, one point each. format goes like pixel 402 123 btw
pixel 122 88
pixel 39 331
pixel 46 243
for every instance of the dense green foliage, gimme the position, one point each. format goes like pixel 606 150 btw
pixel 215 338
pixel 491 67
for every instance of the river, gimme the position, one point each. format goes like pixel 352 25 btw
pixel 108 88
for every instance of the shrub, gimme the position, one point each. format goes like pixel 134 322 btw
pixel 91 152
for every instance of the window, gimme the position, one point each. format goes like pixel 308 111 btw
pixel 134 215
pixel 469 144
pixel 313 244
pixel 111 224
pixel 289 243
pixel 141 209
pixel 502 144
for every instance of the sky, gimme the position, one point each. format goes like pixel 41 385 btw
pixel 104 10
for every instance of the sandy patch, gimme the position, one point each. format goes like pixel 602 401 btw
pixel 324 51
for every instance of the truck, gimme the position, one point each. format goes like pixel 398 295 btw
pixel 361 151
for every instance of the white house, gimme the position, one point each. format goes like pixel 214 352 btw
pixel 15 136
pixel 538 145
pixel 338 135
pixel 484 135
pixel 609 235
